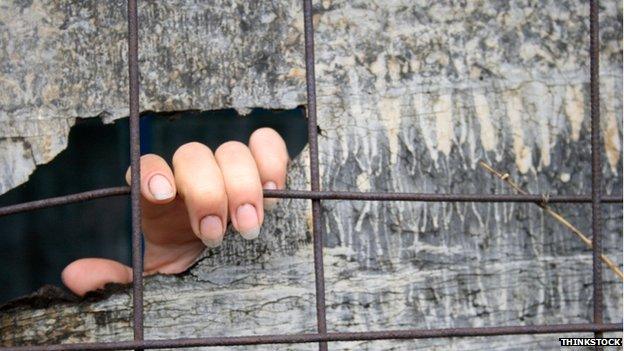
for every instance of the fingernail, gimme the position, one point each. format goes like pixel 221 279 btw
pixel 160 187
pixel 247 221
pixel 211 230
pixel 269 203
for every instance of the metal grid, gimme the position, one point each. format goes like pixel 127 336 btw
pixel 316 195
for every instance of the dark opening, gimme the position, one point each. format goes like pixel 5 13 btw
pixel 36 246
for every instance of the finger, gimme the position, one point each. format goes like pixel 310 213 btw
pixel 200 183
pixel 157 182
pixel 90 274
pixel 243 187
pixel 271 156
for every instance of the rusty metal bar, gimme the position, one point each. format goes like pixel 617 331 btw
pixel 63 200
pixel 596 163
pixel 326 195
pixel 317 228
pixel 331 337
pixel 135 155
pixel 431 197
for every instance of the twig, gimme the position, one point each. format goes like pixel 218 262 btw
pixel 505 177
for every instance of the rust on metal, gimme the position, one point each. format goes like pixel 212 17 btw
pixel 596 163
pixel 135 171
pixel 317 228
pixel 349 336
pixel 325 195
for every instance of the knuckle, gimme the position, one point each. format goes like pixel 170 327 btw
pixel 152 163
pixel 264 132
pixel 150 158
pixel 242 184
pixel 207 197
pixel 230 147
pixel 276 161
pixel 189 150
pixel 270 147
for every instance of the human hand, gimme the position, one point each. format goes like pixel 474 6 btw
pixel 187 208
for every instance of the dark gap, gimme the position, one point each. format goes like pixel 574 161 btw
pixel 162 133
pixel 37 245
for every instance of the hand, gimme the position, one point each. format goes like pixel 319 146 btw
pixel 188 208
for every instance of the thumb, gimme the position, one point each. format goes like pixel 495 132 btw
pixel 88 274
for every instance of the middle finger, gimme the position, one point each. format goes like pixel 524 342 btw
pixel 243 187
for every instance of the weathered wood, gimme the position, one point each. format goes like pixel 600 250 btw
pixel 412 94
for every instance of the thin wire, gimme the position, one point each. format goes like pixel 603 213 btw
pixel 556 216
pixel 324 195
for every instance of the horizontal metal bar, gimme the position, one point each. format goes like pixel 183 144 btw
pixel 64 200
pixel 429 197
pixel 329 337
pixel 324 195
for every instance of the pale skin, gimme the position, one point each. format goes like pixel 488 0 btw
pixel 187 207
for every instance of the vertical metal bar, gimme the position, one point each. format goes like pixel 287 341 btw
pixel 596 169
pixel 317 230
pixel 135 154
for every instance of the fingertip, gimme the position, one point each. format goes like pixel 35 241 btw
pixel 211 231
pixel 248 221
pixel 160 188
pixel 157 180
pixel 268 139
pixel 127 176
pixel 266 134
pixel 271 156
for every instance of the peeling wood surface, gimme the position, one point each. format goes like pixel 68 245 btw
pixel 412 94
